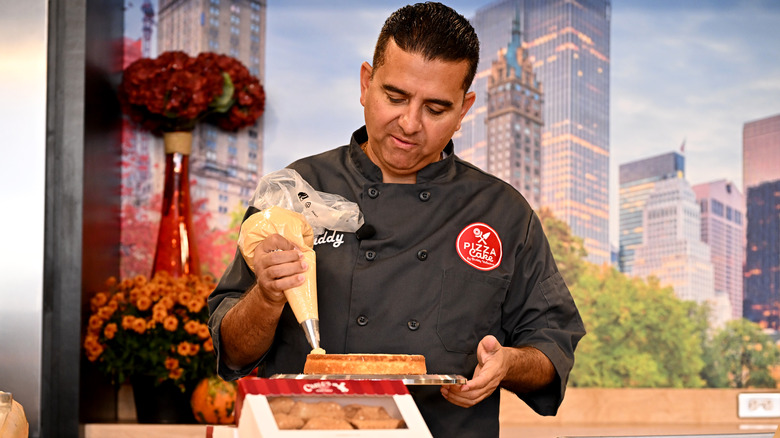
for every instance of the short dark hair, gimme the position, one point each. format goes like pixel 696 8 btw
pixel 434 31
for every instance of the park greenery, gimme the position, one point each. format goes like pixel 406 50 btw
pixel 641 335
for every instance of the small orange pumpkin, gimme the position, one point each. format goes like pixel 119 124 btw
pixel 214 400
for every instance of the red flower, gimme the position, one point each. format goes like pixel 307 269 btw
pixel 174 91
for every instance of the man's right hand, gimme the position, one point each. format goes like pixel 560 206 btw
pixel 248 328
pixel 280 267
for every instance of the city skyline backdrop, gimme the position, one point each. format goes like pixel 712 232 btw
pixel 687 73
pixel 681 74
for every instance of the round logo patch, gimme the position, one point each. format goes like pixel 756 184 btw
pixel 479 246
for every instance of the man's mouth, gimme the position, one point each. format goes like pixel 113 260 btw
pixel 403 143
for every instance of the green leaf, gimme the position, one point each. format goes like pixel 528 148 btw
pixel 223 103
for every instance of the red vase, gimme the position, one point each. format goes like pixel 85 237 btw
pixel 176 252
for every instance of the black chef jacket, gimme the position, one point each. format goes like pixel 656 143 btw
pixel 455 257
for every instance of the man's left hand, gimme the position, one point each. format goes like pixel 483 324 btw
pixel 489 373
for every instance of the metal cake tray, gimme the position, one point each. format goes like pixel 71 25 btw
pixel 407 379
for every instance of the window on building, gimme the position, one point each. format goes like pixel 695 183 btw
pixel 717 208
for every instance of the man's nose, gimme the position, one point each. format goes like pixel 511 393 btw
pixel 410 120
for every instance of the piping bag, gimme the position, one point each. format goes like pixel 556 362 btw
pixel 290 207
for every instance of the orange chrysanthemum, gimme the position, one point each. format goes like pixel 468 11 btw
pixel 208 345
pixel 170 323
pixel 171 363
pixel 160 318
pixel 139 325
pixel 176 373
pixel 110 331
pixel 144 303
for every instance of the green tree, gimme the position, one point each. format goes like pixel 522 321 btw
pixel 568 250
pixel 639 334
pixel 741 356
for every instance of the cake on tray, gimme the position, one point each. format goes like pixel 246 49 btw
pixel 382 364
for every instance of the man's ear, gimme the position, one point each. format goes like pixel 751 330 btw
pixel 468 101
pixel 365 80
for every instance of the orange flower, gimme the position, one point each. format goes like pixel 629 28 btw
pixel 99 300
pixel 139 280
pixel 194 349
pixel 168 302
pixel 126 284
pixel 208 345
pixel 94 352
pixel 170 323
pixel 171 363
pixel 184 297
pixel 111 282
pixel 191 327
pixel 203 331
pixel 183 348
pixel 110 331
pixel 119 297
pixel 176 373
pixel 127 322
pixel 196 304
pixel 90 340
pixel 143 303
pixel 105 312
pixel 95 323
pixel 93 347
pixel 159 312
pixel 139 325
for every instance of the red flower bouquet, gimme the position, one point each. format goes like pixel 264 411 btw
pixel 175 91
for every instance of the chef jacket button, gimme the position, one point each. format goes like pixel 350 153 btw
pixel 413 324
pixel 373 192
pixel 362 320
pixel 422 255
pixel 370 255
pixel 424 196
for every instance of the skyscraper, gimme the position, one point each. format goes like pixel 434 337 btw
pixel 671 248
pixel 514 120
pixel 761 180
pixel 568 45
pixel 762 261
pixel 225 165
pixel 637 182
pixel 723 228
pixel 760 151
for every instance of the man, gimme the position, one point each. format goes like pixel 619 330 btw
pixel 456 266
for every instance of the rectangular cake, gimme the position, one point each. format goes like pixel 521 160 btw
pixel 389 364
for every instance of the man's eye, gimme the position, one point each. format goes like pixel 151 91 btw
pixel 395 99
pixel 434 111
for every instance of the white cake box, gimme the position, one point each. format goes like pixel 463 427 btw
pixel 255 419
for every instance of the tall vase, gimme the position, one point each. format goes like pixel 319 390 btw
pixel 176 252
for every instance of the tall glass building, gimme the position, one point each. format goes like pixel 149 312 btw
pixel 762 261
pixel 760 151
pixel 637 181
pixel 568 43
pixel 225 165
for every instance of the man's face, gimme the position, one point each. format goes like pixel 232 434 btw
pixel 412 108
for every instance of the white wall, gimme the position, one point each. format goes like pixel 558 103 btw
pixel 23 45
